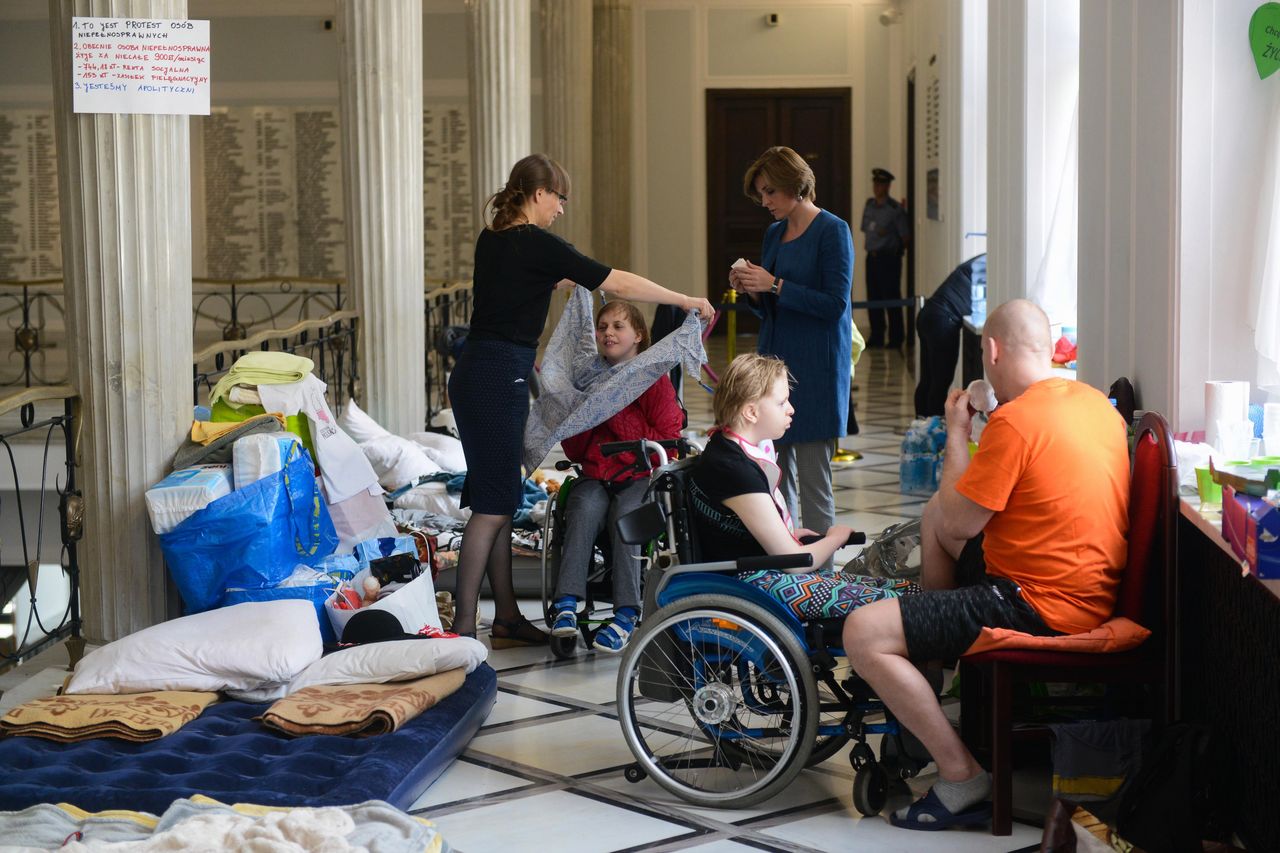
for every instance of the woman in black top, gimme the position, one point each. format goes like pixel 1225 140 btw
pixel 738 511
pixel 518 264
pixel 736 508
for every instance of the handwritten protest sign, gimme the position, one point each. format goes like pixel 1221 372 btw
pixel 131 65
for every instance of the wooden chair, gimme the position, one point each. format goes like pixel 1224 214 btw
pixel 1147 595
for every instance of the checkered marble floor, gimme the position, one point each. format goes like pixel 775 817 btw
pixel 546 770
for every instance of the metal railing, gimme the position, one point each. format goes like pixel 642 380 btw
pixel 306 315
pixel 329 341
pixel 31 628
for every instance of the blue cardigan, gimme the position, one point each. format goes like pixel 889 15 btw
pixel 809 324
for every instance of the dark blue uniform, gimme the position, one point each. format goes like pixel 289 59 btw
pixel 887 230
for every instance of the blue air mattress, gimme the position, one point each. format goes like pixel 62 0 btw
pixel 226 754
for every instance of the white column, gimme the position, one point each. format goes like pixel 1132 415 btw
pixel 125 196
pixel 1131 176
pixel 611 163
pixel 380 88
pixel 566 109
pixel 498 39
pixel 1007 249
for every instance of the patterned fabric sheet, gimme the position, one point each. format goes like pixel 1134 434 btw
pixel 826 595
pixel 360 710
pixel 137 717
pixel 580 390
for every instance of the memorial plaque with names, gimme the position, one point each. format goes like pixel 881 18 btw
pixel 322 241
pixel 449 231
pixel 30 234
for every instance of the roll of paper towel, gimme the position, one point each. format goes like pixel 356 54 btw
pixel 1225 400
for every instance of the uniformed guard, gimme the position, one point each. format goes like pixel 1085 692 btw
pixel 888 231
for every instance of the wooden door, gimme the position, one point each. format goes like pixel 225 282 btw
pixel 741 124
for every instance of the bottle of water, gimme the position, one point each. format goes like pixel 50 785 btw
pixel 909 470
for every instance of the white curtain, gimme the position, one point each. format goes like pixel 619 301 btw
pixel 1054 288
pixel 1264 285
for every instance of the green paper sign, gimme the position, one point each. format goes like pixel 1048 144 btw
pixel 1264 38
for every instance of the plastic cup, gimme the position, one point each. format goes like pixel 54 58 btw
pixel 1210 492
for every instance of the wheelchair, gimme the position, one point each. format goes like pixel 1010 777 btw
pixel 592 616
pixel 724 695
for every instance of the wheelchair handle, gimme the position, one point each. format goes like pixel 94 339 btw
pixel 642 448
pixel 564 465
pixel 775 562
pixel 854 539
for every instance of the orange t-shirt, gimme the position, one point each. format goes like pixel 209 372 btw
pixel 1053 465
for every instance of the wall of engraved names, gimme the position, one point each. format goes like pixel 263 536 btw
pixel 266 193
pixel 30 244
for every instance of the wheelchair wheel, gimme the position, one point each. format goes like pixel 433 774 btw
pixel 717 701
pixel 564 648
pixel 870 789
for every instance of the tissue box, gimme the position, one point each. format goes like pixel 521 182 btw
pixel 183 493
pixel 1252 527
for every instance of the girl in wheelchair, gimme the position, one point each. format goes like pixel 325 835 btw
pixel 611 486
pixel 736 509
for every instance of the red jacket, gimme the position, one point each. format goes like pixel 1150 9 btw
pixel 655 414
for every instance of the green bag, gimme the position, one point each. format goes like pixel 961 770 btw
pixel 222 412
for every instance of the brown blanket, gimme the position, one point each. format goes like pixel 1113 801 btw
pixel 359 710
pixel 137 717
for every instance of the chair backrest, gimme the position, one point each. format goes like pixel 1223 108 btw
pixel 1146 587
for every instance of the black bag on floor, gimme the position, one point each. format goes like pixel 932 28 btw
pixel 1166 807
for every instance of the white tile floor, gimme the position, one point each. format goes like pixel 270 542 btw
pixel 546 769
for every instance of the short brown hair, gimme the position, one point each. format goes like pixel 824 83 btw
pixel 528 175
pixel 783 169
pixel 632 315
pixel 748 378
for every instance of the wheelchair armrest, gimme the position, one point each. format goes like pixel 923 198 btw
pixel 775 562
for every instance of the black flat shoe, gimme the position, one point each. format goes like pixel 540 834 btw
pixel 515 633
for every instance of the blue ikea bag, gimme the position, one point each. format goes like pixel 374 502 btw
pixel 253 537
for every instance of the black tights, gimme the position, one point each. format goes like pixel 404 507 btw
pixel 486 547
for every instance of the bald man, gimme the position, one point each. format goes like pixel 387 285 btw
pixel 1030 535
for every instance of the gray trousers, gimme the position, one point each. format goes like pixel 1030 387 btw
pixel 809 462
pixel 591 505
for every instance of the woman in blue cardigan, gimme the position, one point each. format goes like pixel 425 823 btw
pixel 801 291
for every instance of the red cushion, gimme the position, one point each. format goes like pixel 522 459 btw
pixel 1117 634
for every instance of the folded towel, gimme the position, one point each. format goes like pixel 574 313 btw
pixel 359 710
pixel 137 717
pixel 212 441
pixel 261 368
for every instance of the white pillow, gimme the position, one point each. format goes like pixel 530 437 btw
pixel 397 660
pixel 444 450
pixel 397 461
pixel 358 425
pixel 242 647
pixel 435 499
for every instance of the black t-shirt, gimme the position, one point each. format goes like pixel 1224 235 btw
pixel 516 271
pixel 723 471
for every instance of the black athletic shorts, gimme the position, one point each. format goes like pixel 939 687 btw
pixel 942 624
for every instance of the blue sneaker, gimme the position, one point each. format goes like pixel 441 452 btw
pixel 565 623
pixel 613 638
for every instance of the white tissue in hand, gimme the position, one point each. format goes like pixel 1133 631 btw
pixel 982 396
pixel 740 263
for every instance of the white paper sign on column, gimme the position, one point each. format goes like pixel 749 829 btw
pixel 134 65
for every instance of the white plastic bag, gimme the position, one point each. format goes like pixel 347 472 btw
pixel 414 604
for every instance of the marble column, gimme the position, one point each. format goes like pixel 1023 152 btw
pixel 611 164
pixel 566 109
pixel 380 92
pixel 124 188
pixel 498 42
